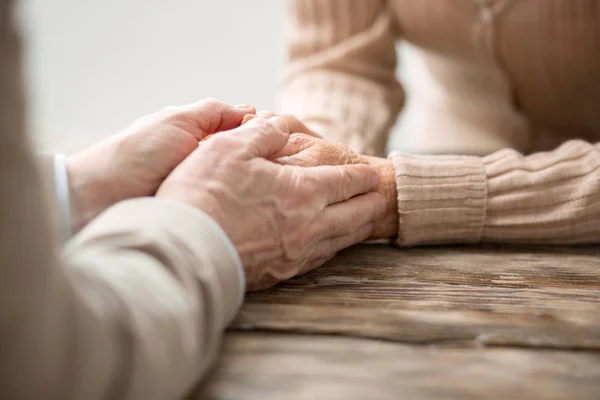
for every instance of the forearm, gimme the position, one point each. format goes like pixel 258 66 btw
pixel 136 309
pixel 551 197
pixel 505 197
pixel 91 183
pixel 340 76
pixel 157 282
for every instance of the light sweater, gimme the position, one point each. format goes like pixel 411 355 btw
pixel 134 308
pixel 495 79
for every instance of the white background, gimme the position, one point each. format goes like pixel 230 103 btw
pixel 94 66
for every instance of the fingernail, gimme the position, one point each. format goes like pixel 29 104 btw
pixel 244 106
pixel 280 122
pixel 247 118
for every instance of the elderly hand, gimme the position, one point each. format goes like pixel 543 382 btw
pixel 135 162
pixel 283 220
pixel 307 149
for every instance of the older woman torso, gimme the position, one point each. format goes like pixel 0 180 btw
pixel 487 76
pixel 484 74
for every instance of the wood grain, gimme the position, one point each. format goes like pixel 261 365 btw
pixel 288 366
pixel 469 296
pixel 428 323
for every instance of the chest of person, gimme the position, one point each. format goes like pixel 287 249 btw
pixel 548 50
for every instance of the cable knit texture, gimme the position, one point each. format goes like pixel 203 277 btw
pixel 487 76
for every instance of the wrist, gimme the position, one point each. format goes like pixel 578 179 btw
pixel 387 226
pixel 89 192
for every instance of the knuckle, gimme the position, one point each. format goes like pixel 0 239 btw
pixel 295 244
pixel 211 103
pixel 279 124
pixel 258 126
pixel 321 229
pixel 259 123
pixel 310 190
pixel 210 109
pixel 303 191
pixel 345 182
pixel 169 111
pixel 224 142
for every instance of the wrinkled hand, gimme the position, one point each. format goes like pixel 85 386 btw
pixel 283 220
pixel 305 148
pixel 135 162
pixel 309 151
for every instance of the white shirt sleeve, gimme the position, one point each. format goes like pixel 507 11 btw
pixel 61 192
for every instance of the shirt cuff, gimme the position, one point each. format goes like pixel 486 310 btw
pixel 441 199
pixel 61 192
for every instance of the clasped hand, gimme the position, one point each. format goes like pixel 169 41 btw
pixel 284 216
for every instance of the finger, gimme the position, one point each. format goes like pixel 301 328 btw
pixel 313 264
pixel 263 114
pixel 307 151
pixel 344 181
pixel 346 217
pixel 266 137
pixel 297 126
pixel 247 118
pixel 297 144
pixel 266 114
pixel 330 246
pixel 212 116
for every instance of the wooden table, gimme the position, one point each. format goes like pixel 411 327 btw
pixel 425 323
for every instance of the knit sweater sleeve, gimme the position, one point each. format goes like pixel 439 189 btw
pixel 549 197
pixel 340 76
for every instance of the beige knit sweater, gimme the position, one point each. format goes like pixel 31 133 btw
pixel 491 75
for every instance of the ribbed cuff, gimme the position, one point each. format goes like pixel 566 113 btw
pixel 441 199
pixel 335 107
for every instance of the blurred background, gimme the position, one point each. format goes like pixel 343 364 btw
pixel 95 66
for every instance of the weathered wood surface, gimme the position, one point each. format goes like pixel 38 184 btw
pixel 378 322
pixel 269 366
pixel 467 296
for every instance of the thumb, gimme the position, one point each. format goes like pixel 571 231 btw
pixel 295 125
pixel 212 116
pixel 297 149
pixel 266 137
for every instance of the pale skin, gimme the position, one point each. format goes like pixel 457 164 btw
pixel 283 219
pixel 308 149
pixel 134 162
